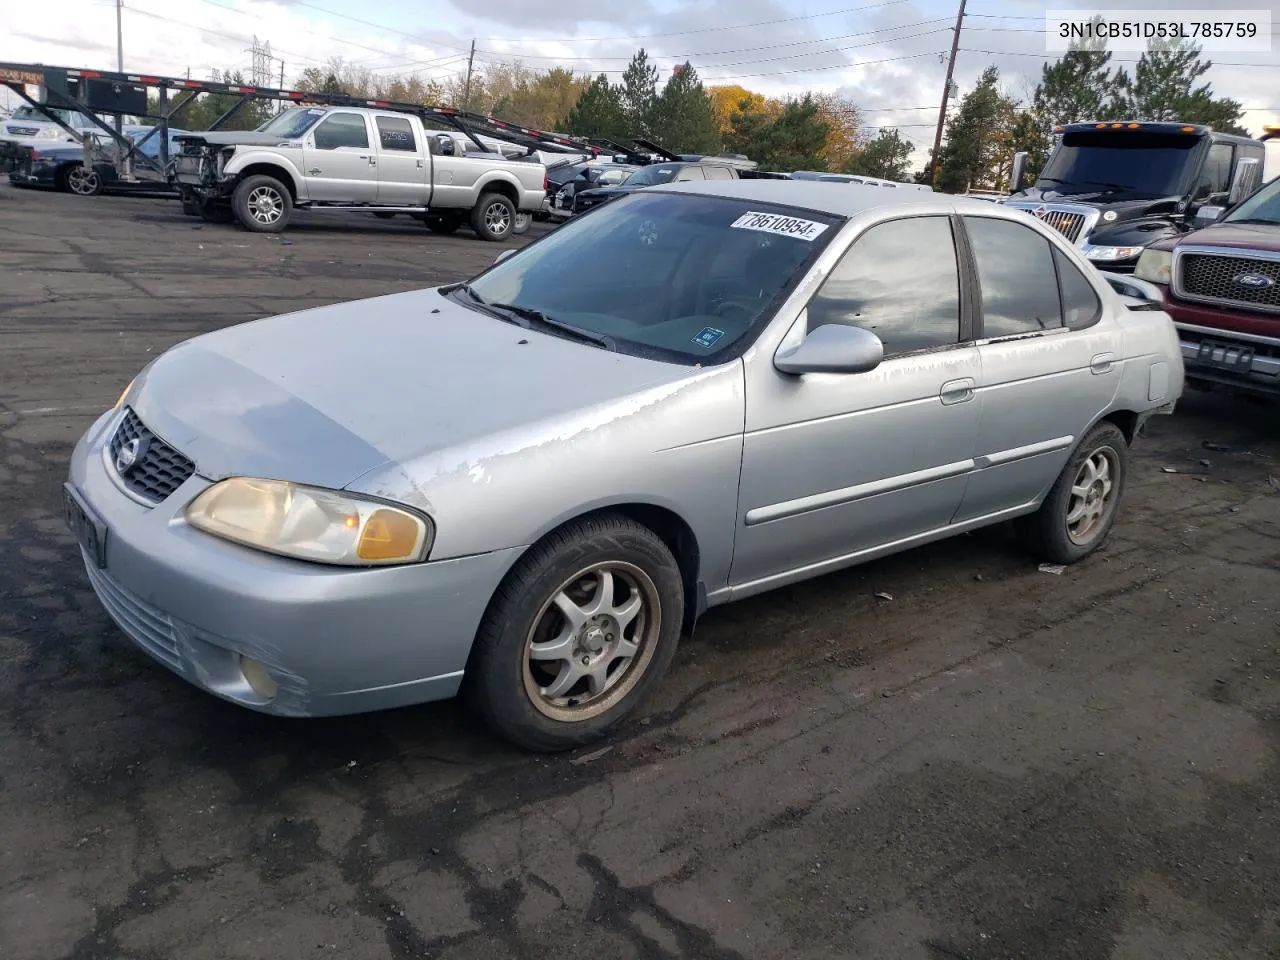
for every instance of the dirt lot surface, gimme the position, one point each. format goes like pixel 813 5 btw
pixel 997 762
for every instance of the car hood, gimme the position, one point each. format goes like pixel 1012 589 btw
pixel 1255 236
pixel 227 138
pixel 326 395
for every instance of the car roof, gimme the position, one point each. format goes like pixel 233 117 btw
pixel 841 199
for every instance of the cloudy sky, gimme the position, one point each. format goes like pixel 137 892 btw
pixel 888 56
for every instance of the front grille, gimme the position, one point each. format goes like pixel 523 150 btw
pixel 148 627
pixel 157 469
pixel 1217 277
pixel 23 131
pixel 1067 224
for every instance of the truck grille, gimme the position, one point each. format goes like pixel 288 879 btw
pixel 156 469
pixel 1073 221
pixel 1067 224
pixel 1209 276
pixel 23 131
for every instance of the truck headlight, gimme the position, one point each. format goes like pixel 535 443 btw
pixel 1110 254
pixel 311 523
pixel 51 133
pixel 1155 266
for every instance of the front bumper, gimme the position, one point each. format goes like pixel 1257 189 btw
pixel 334 641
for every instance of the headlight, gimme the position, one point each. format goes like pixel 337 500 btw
pixel 1110 254
pixel 1155 266
pixel 311 523
pixel 124 393
pixel 51 133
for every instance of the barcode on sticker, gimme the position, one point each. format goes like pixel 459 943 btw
pixel 781 225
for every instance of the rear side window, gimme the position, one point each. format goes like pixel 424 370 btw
pixel 1080 304
pixel 690 173
pixel 718 173
pixel 899 280
pixel 395 133
pixel 1017 276
pixel 342 130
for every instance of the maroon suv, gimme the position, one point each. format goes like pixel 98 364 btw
pixel 1221 285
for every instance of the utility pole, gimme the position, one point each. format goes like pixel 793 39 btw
pixel 120 159
pixel 280 105
pixel 946 94
pixel 466 93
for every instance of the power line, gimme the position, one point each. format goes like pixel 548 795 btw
pixel 1056 56
pixel 717 53
pixel 378 26
pixel 685 33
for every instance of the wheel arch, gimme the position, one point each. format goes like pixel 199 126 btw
pixel 1128 421
pixel 275 170
pixel 499 185
pixel 669 526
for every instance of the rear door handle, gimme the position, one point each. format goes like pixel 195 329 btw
pixel 956 391
pixel 1102 363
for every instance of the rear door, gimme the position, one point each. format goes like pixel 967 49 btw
pixel 402 162
pixel 339 161
pixel 1050 363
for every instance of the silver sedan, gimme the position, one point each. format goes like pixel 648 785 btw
pixel 528 487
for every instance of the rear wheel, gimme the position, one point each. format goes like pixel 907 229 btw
pixel 1079 511
pixel 578 634
pixel 262 204
pixel 521 226
pixel 82 182
pixel 493 218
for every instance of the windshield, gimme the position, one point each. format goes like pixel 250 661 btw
pixel 31 113
pixel 1142 165
pixel 292 123
pixel 1263 205
pixel 649 176
pixel 681 277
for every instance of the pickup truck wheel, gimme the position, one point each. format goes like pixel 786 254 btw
pixel 493 218
pixel 262 204
pixel 577 635
pixel 521 226
pixel 1080 508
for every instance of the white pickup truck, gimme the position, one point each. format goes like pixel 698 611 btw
pixel 357 160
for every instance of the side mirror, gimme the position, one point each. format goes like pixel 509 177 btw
pixel 1018 172
pixel 1244 179
pixel 832 348
pixel 1207 214
pixel 502 256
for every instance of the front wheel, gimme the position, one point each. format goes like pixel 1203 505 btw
pixel 493 218
pixel 82 182
pixel 262 204
pixel 1080 509
pixel 577 635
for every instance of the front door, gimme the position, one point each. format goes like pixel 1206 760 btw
pixel 339 163
pixel 402 163
pixel 836 465
pixel 1050 363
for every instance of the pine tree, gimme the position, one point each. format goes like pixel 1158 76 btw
pixel 793 141
pixel 639 92
pixel 979 144
pixel 683 117
pixel 1163 88
pixel 887 156
pixel 599 112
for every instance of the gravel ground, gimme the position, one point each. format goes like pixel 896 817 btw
pixel 995 763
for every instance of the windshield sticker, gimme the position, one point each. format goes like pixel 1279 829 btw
pixel 808 230
pixel 708 336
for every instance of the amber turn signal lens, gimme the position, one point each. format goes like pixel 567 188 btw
pixel 387 535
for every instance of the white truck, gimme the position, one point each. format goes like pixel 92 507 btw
pixel 357 160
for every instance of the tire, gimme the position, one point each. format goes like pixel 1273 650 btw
pixel 443 225
pixel 1049 532
pixel 506 685
pixel 262 204
pixel 522 223
pixel 493 218
pixel 83 184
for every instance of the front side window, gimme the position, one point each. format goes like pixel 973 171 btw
pixel 395 133
pixel 685 278
pixel 342 130
pixel 1215 176
pixel 900 280
pixel 1017 277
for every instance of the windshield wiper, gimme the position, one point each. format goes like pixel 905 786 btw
pixel 1270 223
pixel 1111 186
pixel 488 308
pixel 1051 179
pixel 533 316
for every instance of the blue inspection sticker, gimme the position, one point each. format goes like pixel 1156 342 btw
pixel 708 336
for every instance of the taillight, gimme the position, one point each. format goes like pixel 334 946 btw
pixel 546 182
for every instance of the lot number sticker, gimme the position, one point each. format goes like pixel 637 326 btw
pixel 808 230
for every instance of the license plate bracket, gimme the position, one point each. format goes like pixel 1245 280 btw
pixel 1225 356
pixel 90 532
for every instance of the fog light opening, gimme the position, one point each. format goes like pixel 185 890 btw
pixel 256 675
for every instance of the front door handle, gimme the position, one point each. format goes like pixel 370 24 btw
pixel 956 391
pixel 313 171
pixel 1101 363
pixel 419 163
